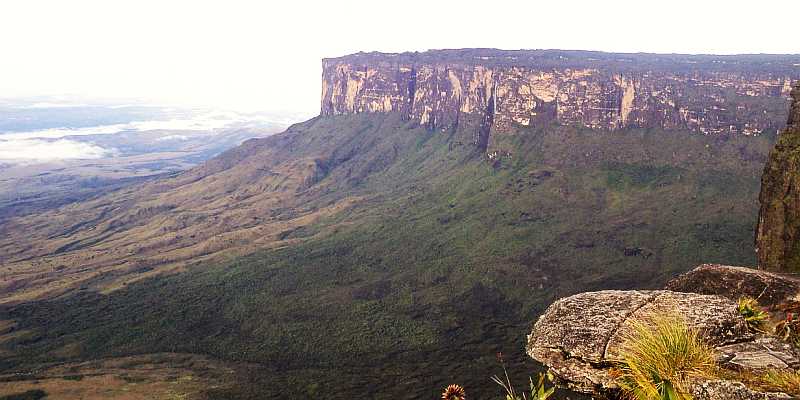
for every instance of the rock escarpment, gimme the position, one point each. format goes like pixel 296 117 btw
pixel 500 89
pixel 579 338
pixel 778 232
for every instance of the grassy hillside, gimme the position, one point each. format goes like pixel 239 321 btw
pixel 439 259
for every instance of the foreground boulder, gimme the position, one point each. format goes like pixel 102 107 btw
pixel 580 337
pixel 737 282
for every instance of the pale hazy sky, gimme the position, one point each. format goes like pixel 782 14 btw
pixel 265 55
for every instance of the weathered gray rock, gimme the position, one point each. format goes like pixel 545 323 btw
pixel 730 390
pixel 737 282
pixel 761 354
pixel 579 337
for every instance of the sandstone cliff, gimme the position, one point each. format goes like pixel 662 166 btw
pixel 500 89
pixel 779 218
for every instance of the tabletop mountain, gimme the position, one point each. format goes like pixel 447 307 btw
pixel 397 242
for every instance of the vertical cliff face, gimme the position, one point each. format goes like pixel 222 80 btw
pixel 705 94
pixel 778 232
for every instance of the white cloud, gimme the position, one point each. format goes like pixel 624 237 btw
pixel 54 144
pixel 54 105
pixel 172 138
pixel 206 122
pixel 44 150
pixel 55 133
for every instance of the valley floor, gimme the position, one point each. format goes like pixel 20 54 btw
pixel 364 256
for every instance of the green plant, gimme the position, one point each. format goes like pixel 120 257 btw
pixel 661 355
pixel 35 394
pixel 754 316
pixel 538 390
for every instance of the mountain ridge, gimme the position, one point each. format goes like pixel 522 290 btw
pixel 368 255
pixel 439 88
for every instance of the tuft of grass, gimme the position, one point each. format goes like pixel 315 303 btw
pixel 661 356
pixel 753 314
pixel 783 380
pixel 774 380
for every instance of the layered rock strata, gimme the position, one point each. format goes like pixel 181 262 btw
pixel 501 89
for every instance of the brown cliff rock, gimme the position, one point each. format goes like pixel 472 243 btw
pixel 501 89
pixel 778 232
pixel 737 282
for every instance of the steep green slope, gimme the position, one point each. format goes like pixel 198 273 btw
pixel 444 261
pixel 778 230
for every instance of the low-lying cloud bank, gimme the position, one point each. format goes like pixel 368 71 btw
pixel 49 150
pixel 205 122
pixel 65 143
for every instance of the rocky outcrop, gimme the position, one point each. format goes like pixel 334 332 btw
pixel 737 282
pixel 729 390
pixel 778 232
pixel 501 89
pixel 758 355
pixel 579 337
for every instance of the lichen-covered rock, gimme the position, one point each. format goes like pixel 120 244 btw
pixel 730 390
pixel 579 337
pixel 758 355
pixel 737 282
pixel 778 232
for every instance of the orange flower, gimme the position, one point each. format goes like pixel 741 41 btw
pixel 453 392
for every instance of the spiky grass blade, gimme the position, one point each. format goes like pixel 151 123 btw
pixel 661 355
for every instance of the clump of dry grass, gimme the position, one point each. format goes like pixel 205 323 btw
pixel 661 357
pixel 785 381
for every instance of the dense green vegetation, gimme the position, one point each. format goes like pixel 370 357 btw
pixel 28 395
pixel 446 259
